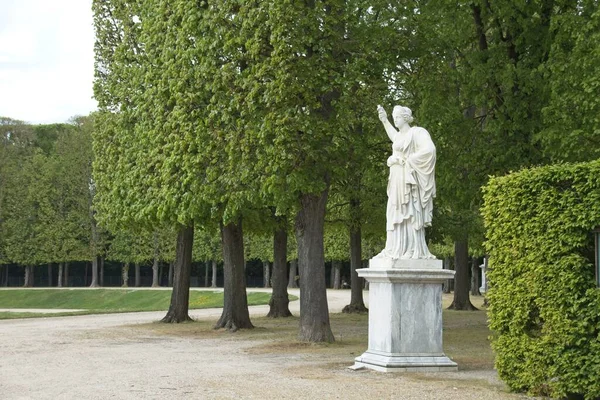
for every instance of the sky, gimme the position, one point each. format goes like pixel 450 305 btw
pixel 46 60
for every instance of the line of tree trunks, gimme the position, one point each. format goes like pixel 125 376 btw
pixel 180 296
pixel 314 311
pixel 357 303
pixel 461 278
pixel 279 303
pixel 235 303
pixel 293 273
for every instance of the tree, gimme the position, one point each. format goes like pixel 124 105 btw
pixel 141 174
pixel 570 117
pixel 154 70
pixel 479 86
pixel 316 58
pixel 15 144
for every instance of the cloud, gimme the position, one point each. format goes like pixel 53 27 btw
pixel 46 60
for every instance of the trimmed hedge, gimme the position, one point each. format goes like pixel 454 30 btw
pixel 544 304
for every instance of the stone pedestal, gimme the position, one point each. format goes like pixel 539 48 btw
pixel 483 287
pixel 405 316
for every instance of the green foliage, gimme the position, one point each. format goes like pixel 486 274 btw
pixel 544 306
pixel 573 126
pixel 259 247
pixel 336 242
pixel 207 244
pixel 479 89
pixel 46 193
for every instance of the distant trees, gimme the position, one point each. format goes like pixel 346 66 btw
pixel 46 194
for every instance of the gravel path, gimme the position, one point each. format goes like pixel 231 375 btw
pixel 95 357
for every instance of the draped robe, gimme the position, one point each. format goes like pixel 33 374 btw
pixel 411 189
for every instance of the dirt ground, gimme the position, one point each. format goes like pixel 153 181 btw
pixel 108 357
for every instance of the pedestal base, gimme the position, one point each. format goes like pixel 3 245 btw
pixel 405 316
pixel 404 363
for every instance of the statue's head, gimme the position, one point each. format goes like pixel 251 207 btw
pixel 402 115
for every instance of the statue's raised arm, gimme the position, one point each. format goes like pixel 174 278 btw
pixel 389 129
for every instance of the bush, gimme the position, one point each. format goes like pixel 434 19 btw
pixel 544 304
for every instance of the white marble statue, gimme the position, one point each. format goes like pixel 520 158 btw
pixel 411 187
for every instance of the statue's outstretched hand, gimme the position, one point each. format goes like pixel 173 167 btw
pixel 382 114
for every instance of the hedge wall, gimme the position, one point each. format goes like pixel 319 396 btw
pixel 544 304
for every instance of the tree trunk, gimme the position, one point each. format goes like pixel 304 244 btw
pixel 475 277
pixel 60 275
pixel 214 274
pixel 28 276
pixel 101 271
pixel 235 303
pixel 365 264
pixel 279 303
pixel 6 276
pixel 206 267
pixel 336 266
pixel 156 262
pixel 93 241
pixel 314 311
pixel 155 272
pixel 125 274
pixel 94 272
pixel 66 280
pixel 2 275
pixel 266 274
pixel 49 274
pixel 137 274
pixel 461 278
pixel 180 297
pixel 171 273
pixel 446 286
pixel 331 275
pixel 293 274
pixel 357 303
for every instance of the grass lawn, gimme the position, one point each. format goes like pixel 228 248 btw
pixel 108 300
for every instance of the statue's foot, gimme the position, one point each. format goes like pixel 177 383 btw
pixel 406 256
